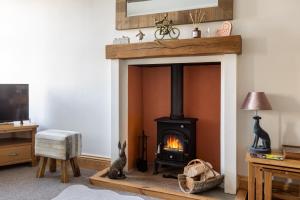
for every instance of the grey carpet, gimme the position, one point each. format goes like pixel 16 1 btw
pixel 19 183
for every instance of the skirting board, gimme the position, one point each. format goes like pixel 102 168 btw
pixel 243 183
pixel 241 195
pixel 93 162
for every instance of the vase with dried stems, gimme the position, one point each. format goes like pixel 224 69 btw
pixel 197 17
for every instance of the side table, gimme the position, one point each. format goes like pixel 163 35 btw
pixel 261 172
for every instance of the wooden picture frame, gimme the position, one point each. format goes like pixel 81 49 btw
pixel 223 12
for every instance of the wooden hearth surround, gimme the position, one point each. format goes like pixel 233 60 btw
pixel 101 180
pixel 176 48
pixel 225 48
pixel 169 48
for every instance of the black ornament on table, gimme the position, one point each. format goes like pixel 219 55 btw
pixel 260 134
pixel 258 101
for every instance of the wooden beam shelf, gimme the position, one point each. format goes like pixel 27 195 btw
pixel 176 48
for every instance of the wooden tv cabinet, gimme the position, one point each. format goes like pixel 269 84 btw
pixel 17 144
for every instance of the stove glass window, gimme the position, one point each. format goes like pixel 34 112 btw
pixel 173 143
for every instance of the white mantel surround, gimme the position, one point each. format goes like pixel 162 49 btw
pixel 119 107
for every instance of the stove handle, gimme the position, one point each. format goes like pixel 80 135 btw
pixel 158 149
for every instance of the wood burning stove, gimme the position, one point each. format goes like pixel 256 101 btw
pixel 176 135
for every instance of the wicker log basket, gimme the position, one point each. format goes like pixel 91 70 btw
pixel 199 176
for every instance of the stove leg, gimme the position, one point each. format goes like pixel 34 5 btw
pixel 156 166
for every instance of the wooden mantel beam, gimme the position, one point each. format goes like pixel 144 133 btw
pixel 176 48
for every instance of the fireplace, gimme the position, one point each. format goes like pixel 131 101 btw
pixel 176 135
pixel 121 96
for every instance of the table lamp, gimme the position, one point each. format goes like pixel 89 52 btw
pixel 258 101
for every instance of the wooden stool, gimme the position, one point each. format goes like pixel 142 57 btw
pixel 64 168
pixel 58 145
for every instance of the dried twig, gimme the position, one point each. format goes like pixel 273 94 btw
pixel 197 18
pixel 192 19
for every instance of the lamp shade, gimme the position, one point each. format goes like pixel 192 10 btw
pixel 256 101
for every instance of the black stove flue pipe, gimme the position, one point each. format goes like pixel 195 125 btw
pixel 177 91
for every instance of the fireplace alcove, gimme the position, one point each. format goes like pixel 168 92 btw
pixel 120 96
pixel 149 110
pixel 222 50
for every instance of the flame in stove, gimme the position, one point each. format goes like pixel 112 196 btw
pixel 173 144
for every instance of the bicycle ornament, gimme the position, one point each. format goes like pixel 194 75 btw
pixel 164 28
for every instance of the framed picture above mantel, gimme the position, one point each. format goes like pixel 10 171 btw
pixel 131 14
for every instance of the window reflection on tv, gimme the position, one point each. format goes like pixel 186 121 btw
pixel 14 102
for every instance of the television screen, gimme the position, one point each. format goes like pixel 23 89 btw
pixel 14 102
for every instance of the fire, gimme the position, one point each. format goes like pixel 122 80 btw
pixel 173 144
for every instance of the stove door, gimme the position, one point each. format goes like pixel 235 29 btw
pixel 173 146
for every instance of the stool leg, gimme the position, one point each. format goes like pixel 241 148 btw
pixel 64 171
pixel 75 167
pixel 52 165
pixel 42 167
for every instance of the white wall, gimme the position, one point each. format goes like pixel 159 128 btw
pixel 270 63
pixel 58 47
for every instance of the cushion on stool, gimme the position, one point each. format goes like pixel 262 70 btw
pixel 58 144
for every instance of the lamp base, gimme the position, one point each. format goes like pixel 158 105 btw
pixel 260 150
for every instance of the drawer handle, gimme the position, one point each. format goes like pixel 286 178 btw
pixel 12 154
